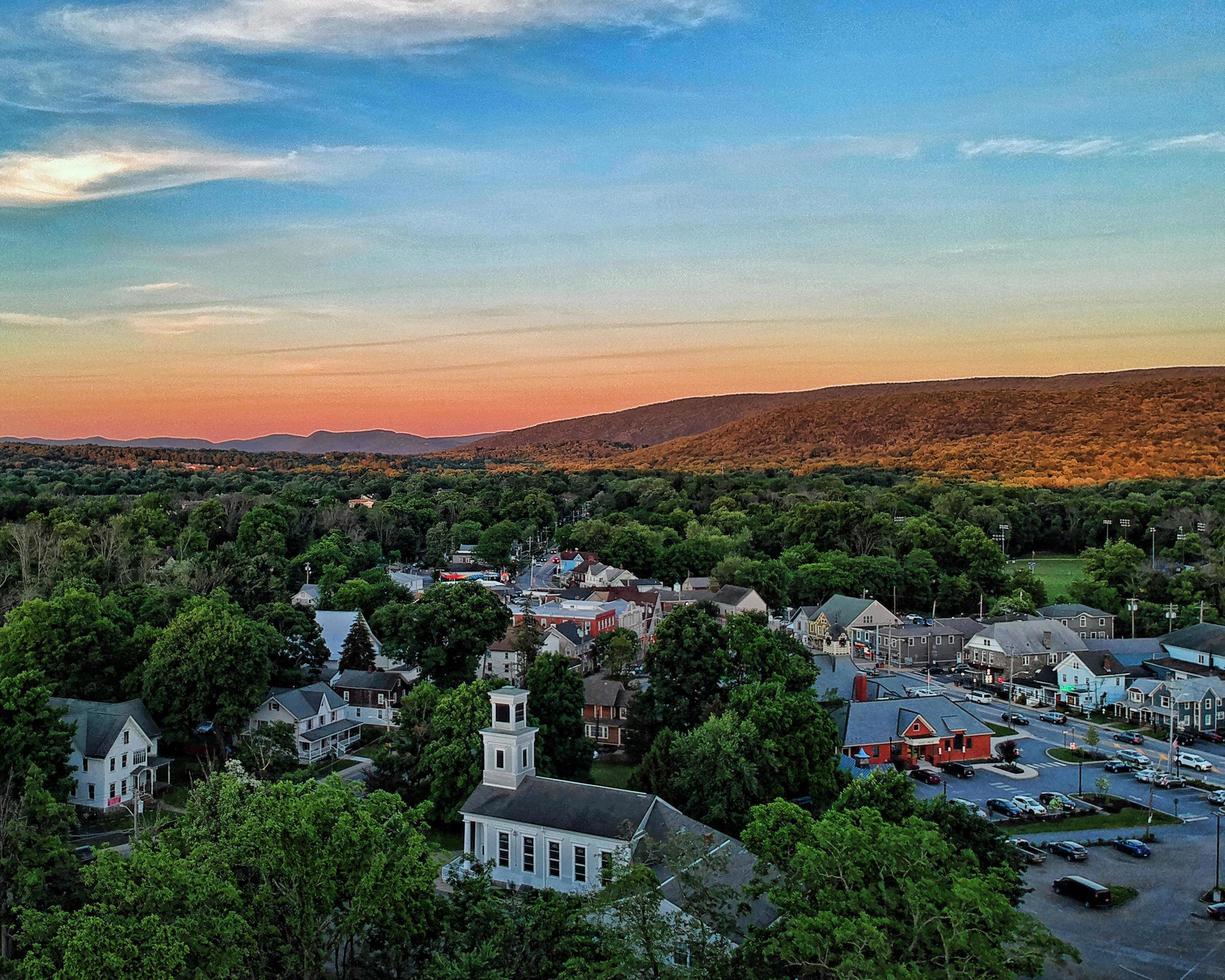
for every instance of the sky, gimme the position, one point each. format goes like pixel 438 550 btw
pixel 222 218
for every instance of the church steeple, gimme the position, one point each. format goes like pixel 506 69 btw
pixel 510 745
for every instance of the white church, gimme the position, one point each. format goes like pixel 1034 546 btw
pixel 532 831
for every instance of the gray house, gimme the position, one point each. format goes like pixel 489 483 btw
pixel 1085 621
pixel 1006 649
pixel 1195 702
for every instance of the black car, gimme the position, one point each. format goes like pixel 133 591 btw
pixel 1014 718
pixel 1186 738
pixel 1069 850
pixel 1216 911
pixel 1083 890
pixel 959 769
pixel 1118 765
pixel 929 776
pixel 1005 808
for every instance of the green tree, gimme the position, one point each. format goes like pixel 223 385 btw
pixel 211 663
pixel 616 651
pixel 1093 737
pixel 529 638
pixel 33 733
pixel 934 911
pixel 81 643
pixel 270 751
pixel 450 629
pixel 555 707
pixel 494 545
pixel 357 651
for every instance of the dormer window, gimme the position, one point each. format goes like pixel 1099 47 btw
pixel 501 711
pixel 520 711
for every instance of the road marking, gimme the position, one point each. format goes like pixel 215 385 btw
pixel 1192 819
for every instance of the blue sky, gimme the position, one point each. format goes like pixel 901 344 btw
pixel 225 217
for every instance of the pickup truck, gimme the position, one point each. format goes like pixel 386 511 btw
pixel 1028 851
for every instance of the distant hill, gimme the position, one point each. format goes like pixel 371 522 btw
pixel 366 441
pixel 1026 433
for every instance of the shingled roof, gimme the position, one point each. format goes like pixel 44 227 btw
pixel 98 723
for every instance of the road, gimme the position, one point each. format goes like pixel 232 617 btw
pixel 537 575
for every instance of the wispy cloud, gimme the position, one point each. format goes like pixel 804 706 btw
pixel 33 320
pixel 180 322
pixel 1017 147
pixel 360 26
pixel 157 287
pixel 1214 142
pixel 97 167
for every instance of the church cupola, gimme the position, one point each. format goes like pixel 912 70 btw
pixel 510 744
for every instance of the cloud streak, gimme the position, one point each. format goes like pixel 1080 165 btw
pixel 1017 147
pixel 360 26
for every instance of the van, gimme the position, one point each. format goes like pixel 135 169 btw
pixel 1089 893
pixel 979 697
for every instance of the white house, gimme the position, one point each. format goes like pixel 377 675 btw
pixel 737 599
pixel 1091 679
pixel 599 574
pixel 114 751
pixel 323 722
pixel 336 625
pixel 414 580
pixel 552 833
pixel 1202 644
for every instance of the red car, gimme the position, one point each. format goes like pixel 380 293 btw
pixel 1214 737
pixel 1132 738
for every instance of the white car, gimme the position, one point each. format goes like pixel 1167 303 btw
pixel 1030 805
pixel 980 697
pixel 1132 755
pixel 1193 761
pixel 1217 797
pixel 1145 775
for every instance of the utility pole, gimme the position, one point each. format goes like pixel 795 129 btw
pixel 1153 534
pixel 1132 605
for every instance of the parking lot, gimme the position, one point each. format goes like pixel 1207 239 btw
pixel 1161 934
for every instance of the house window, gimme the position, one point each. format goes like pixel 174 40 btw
pixel 554 859
pixel 959 741
pixel 589 731
pixel 126 736
pixel 1101 622
pixel 89 788
pixel 503 849
pixel 346 694
pixel 580 863
pixel 910 641
pixel 938 639
pixel 123 787
pixel 139 757
pixel 84 765
pixel 499 759
pixel 123 760
pixel 529 855
pixel 603 731
pixel 112 762
pixel 382 699
pixel 622 714
pixel 111 795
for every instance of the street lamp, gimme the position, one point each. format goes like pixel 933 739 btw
pixel 1153 534
pixel 1107 522
pixel 1216 889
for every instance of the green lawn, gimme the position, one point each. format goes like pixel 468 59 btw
pixel 1128 818
pixel 331 766
pixel 1000 730
pixel 1056 572
pixel 1121 894
pixel 616 774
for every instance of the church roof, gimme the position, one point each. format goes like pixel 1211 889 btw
pixel 601 811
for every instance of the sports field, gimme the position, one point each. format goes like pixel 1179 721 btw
pixel 1056 571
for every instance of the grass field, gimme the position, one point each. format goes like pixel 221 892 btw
pixel 616 774
pixel 1129 817
pixel 1057 572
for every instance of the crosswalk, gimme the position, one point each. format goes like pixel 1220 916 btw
pixel 1053 764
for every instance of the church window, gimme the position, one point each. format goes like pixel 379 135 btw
pixel 580 863
pixel 529 855
pixel 503 849
pixel 554 859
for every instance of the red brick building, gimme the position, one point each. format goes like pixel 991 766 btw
pixel 913 730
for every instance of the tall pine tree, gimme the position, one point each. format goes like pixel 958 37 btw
pixel 357 651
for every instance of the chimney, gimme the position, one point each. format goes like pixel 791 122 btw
pixel 859 692
pixel 1046 639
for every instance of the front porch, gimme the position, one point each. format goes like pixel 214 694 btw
pixel 329 740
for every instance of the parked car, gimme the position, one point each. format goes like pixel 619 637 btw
pixel 1016 719
pixel 1058 801
pixel 1167 780
pixel 1132 738
pixel 1129 845
pixel 980 697
pixel 1186 737
pixel 929 776
pixel 1146 775
pixel 1029 805
pixel 1005 808
pixel 1216 738
pixel 1216 911
pixel 1084 890
pixel 973 807
pixel 1217 797
pixel 1069 850
pixel 1028 851
pixel 1118 765
pixel 1054 717
pixel 872 672
pixel 1190 760
pixel 1133 755
pixel 961 770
